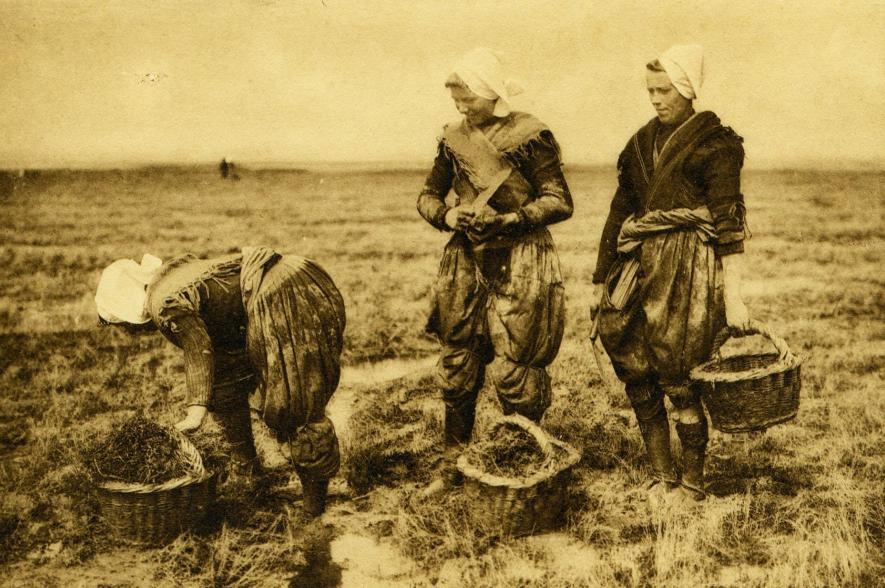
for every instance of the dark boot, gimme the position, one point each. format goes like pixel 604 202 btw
pixel 656 435
pixel 314 492
pixel 459 425
pixel 458 428
pixel 693 437
pixel 233 384
pixel 655 428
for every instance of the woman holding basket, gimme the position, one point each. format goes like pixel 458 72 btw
pixel 669 267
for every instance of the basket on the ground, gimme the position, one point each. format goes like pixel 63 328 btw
pixel 156 513
pixel 750 392
pixel 517 507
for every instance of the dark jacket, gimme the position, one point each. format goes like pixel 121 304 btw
pixel 708 176
pixel 537 160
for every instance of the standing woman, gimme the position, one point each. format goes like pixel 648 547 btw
pixel 245 322
pixel 668 270
pixel 498 298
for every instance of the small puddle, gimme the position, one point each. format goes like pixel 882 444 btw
pixel 352 560
pixel 320 571
pixel 340 408
pixel 365 562
pixel 375 372
pixel 566 554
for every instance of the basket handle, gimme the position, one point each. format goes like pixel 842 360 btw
pixel 756 328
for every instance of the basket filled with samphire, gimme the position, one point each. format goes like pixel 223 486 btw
pixel 516 478
pixel 151 481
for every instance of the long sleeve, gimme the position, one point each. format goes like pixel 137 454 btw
pixel 431 201
pixel 199 362
pixel 623 204
pixel 539 162
pixel 718 169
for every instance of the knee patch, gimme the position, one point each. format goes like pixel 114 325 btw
pixel 314 450
pixel 463 398
pixel 522 389
pixel 647 401
pixel 460 375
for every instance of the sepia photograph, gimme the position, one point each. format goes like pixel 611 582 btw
pixel 463 293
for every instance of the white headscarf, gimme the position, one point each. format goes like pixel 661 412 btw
pixel 481 70
pixel 122 290
pixel 684 65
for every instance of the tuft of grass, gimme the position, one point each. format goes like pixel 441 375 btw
pixel 433 530
pixel 394 436
pixel 244 557
pixel 45 503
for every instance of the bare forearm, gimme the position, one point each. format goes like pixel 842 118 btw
pixel 732 269
pixel 736 314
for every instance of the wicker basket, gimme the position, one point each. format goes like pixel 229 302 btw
pixel 750 392
pixel 516 507
pixel 155 514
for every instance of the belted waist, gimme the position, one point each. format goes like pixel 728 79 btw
pixel 635 230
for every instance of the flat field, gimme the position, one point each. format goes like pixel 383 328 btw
pixel 802 504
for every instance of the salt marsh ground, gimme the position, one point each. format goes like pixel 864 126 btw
pixel 800 505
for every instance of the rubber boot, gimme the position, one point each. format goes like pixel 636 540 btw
pixel 314 492
pixel 459 425
pixel 656 435
pixel 693 437
pixel 458 428
pixel 655 429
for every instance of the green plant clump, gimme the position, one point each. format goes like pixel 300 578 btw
pixel 136 451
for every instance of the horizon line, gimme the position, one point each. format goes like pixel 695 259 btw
pixel 810 164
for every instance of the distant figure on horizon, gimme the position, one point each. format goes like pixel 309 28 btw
pixel 668 272
pixel 224 168
pixel 498 298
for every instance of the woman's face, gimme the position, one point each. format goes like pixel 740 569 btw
pixel 476 110
pixel 670 105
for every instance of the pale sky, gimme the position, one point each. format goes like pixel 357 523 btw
pixel 126 82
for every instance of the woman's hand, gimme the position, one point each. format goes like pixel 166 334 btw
pixel 459 218
pixel 736 314
pixel 488 224
pixel 595 299
pixel 194 418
